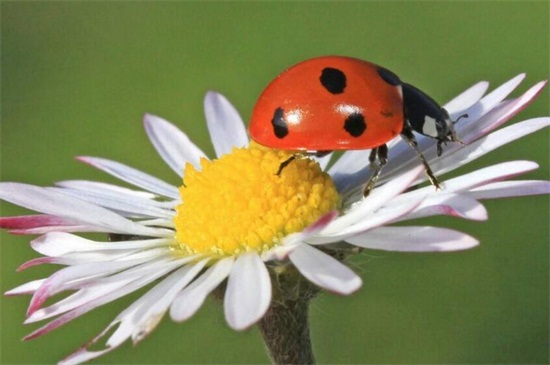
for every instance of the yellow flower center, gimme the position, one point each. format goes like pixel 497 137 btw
pixel 238 203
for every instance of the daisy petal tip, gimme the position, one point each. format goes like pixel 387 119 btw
pixel 462 244
pixel 148 120
pixel 350 287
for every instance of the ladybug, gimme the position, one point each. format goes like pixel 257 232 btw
pixel 342 103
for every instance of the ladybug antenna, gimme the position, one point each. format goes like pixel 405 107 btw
pixel 465 115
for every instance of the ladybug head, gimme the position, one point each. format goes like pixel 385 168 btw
pixel 446 130
pixel 427 117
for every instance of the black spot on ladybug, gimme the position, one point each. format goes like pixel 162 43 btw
pixel 279 124
pixel 333 80
pixel 389 76
pixel 355 124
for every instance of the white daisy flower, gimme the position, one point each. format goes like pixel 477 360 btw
pixel 233 219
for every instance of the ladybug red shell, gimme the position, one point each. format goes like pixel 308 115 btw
pixel 329 103
pixel 340 103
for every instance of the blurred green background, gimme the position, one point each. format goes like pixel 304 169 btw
pixel 78 76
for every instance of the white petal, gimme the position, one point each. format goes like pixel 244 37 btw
pixel 382 217
pixel 487 144
pixel 151 307
pixel 489 174
pixel 506 189
pixel 27 288
pixel 378 197
pixel 172 144
pixel 132 176
pixel 248 292
pixel 467 98
pixel 57 244
pixel 52 202
pixel 351 169
pixel 292 241
pixel 324 270
pixel 74 277
pixel 224 124
pixel 159 269
pixel 190 299
pixel 414 239
pixel 493 98
pixel 323 161
pixel 104 188
pixel 497 116
pixel 125 206
pixel 77 299
pixel 455 205
pixel 128 324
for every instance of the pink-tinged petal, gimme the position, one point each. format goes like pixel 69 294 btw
pixel 132 176
pixel 76 276
pixel 498 115
pixel 190 299
pixel 382 217
pixel 489 174
pixel 487 144
pixel 507 189
pixel 224 124
pixel 467 98
pixel 34 221
pixel 77 299
pixel 82 355
pixel 152 306
pixel 89 274
pixel 173 146
pixel 27 288
pixel 324 270
pixel 376 199
pixel 492 99
pixel 248 292
pixel 44 230
pixel 455 205
pixel 414 239
pixel 291 241
pixel 43 223
pixel 51 202
pixel 58 244
pixel 134 285
pixel 45 260
pixel 103 287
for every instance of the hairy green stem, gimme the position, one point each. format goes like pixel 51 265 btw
pixel 285 329
pixel 285 326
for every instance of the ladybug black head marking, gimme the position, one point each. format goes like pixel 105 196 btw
pixel 389 76
pixel 333 79
pixel 426 117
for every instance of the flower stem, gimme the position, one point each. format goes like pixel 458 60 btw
pixel 285 329
pixel 285 326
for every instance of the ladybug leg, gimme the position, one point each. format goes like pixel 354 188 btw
pixel 285 163
pixel 408 136
pixel 381 154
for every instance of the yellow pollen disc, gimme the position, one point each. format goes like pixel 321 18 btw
pixel 238 203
